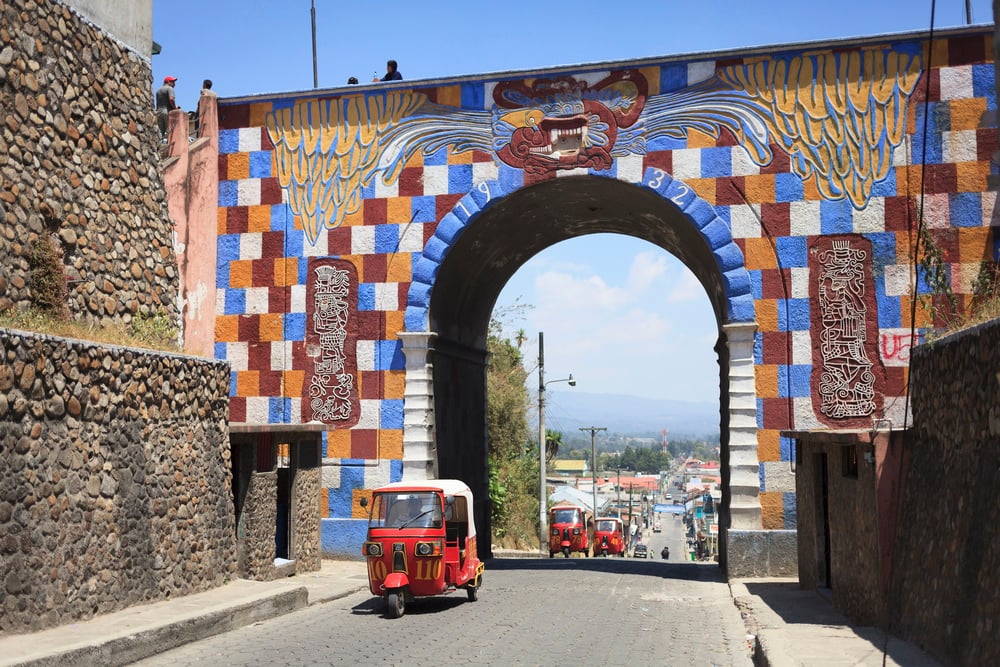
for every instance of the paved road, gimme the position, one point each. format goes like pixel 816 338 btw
pixel 590 611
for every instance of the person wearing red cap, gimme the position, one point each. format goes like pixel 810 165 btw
pixel 165 103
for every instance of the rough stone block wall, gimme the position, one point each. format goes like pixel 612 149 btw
pixel 79 161
pixel 306 494
pixel 946 563
pixel 260 514
pixel 114 479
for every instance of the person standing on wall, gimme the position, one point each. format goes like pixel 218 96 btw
pixel 391 73
pixel 207 95
pixel 165 103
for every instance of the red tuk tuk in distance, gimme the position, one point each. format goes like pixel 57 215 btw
pixel 609 537
pixel 570 529
pixel 421 541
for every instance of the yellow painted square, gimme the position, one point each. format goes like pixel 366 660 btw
pixel 286 271
pixel 974 245
pixel 390 444
pixel 247 383
pixel 766 380
pixel 768 444
pixel 704 188
pixel 464 157
pixel 758 254
pixel 241 273
pixel 698 139
pixel 227 328
pixel 966 113
pixel 258 218
pixel 220 220
pixel 258 113
pixel 238 166
pixel 772 510
pixel 292 382
pixel 338 444
pixel 394 323
pixel 760 188
pixel 972 176
pixel 394 384
pixel 357 511
pixel 271 327
pixel 399 268
pixel 450 96
pixel 399 210
pixel 356 219
pixel 766 311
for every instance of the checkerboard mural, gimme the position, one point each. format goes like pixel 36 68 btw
pixel 812 160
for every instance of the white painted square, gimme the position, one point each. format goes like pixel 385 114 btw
pixel 330 475
pixel 742 164
pixel 894 346
pixel 248 192
pixel 281 355
pixel 250 245
pixel 629 168
pixel 937 211
pixel 805 416
pixel 387 296
pixel 804 218
pixel 778 476
pixel 871 218
pixel 318 249
pixel 378 475
pixel 363 240
pixel 956 82
pixel 989 211
pixel 411 237
pixel 297 302
pixel 220 302
pixel 436 180
pixel 579 171
pixel 258 409
pixel 383 191
pixel 488 95
pixel 964 275
pixel 687 163
pixel 745 221
pixel 296 411
pixel 365 351
pixel 249 138
pixel 257 300
pixel 238 355
pixel 484 171
pixel 959 146
pixel 370 413
pixel 700 71
pixel 902 154
pixel 897 279
pixel 799 282
pixel 894 410
pixel 802 348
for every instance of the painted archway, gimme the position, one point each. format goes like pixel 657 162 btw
pixel 491 233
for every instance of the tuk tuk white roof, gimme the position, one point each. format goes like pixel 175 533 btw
pixel 449 487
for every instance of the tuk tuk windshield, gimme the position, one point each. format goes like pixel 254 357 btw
pixel 607 526
pixel 408 509
pixel 568 515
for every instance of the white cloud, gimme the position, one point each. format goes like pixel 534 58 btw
pixel 637 325
pixel 562 291
pixel 687 288
pixel 645 269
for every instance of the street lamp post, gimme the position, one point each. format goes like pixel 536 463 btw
pixel 593 459
pixel 542 496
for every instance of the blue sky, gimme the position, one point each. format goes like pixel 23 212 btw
pixel 603 301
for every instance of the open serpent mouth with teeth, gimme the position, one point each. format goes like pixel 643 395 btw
pixel 567 135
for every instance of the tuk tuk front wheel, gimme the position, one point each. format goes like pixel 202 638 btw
pixel 473 591
pixel 566 552
pixel 395 603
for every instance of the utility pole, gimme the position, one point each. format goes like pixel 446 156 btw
pixel 542 496
pixel 312 12
pixel 618 486
pixel 593 459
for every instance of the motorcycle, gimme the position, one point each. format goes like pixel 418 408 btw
pixel 665 553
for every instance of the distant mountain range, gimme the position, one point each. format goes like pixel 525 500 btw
pixel 630 415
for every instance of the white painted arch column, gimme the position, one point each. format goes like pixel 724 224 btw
pixel 419 451
pixel 744 465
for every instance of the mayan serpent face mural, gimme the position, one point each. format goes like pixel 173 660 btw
pixel 837 115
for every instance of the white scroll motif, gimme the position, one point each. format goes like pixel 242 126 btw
pixel 330 386
pixel 846 386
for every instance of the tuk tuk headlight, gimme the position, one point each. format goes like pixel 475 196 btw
pixel 555 531
pixel 372 549
pixel 434 548
pixel 576 531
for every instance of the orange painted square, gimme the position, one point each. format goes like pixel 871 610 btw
pixel 227 328
pixel 810 191
pixel 768 444
pixel 766 381
pixel 271 327
pixel 247 383
pixel 772 511
pixel 698 139
pixel 450 96
pixel 760 188
pixel 357 511
pixel 939 54
pixel 972 176
pixel 974 245
pixel 258 218
pixel 258 113
pixel 394 323
pixel 338 444
pixel 238 166
pixel 704 188
pixel 286 271
pixel 324 503
pixel 965 114
pixel 459 158
pixel 390 444
pixel 908 179
pixel 358 264
pixel 356 219
pixel 220 220
pixel 767 314
pixel 652 75
pixel 394 384
pixel 904 253
pixel 241 273
pixel 400 268
pixel 758 254
pixel 399 210
pixel 415 160
pixel 292 382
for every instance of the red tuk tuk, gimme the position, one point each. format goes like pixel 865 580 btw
pixel 609 537
pixel 570 528
pixel 421 541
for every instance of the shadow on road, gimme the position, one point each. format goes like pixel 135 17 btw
pixel 635 566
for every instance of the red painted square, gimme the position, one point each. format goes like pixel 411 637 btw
pixel 728 189
pixel 966 50
pixel 444 203
pixel 265 140
pixel 233 116
pixel 411 182
pixel 236 220
pixel 338 241
pixel 223 166
pixel 403 294
pixel 270 383
pixel 659 160
pixel 897 214
pixel 429 229
pixel 259 358
pixel 986 144
pixel 249 327
pixel 776 284
pixel 775 347
pixel 237 409
pixel 481 156
pixel 374 268
pixel 375 211
pixel 776 413
pixel 777 218
pixel 279 299
pixel 780 162
pixel 270 191
pixel 263 272
pixel 726 138
pixel 272 245
pixel 371 386
pixel 941 178
pixel 299 355
pixel 370 325
pixel 364 443
pixel 895 381
pixel 947 241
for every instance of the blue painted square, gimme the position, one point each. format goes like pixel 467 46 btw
pixel 459 178
pixel 965 209
pixel 983 84
pixel 887 186
pixel 835 217
pixel 610 172
pixel 933 134
pixel 473 96
pixel 510 179
pixel 386 239
pixel 423 209
pixel 438 158
pixel 665 144
pixel 229 141
pixel 294 325
pixel 797 381
pixel 756 284
pixel 340 499
pixel 883 249
pixel 758 348
pixel 673 76
pixel 760 413
pixel 889 315
pixel 996 245
pixel 396 470
pixel 786 447
pixel 281 217
pixel 366 296
pixel 222 275
pixel 220 351
pixel 228 193
pixel 723 213
pixel 392 413
pixel 368 190
pixel 323 443
pixel 788 187
pixel 260 164
pixel 760 476
pixel 228 248
pixel 276 410
pixel 235 301
pixel 790 509
pixel 793 251
pixel 342 538
pixel 294 242
pixel 303 270
pixel 232 389
pixel 923 286
pixel 794 317
pixel 389 355
pixel 716 162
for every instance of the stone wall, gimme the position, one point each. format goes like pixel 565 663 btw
pixel 114 479
pixel 946 561
pixel 305 504
pixel 79 161
pixel 257 521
